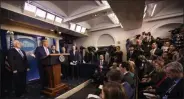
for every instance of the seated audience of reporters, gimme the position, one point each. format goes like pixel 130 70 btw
pixel 171 86
pixel 153 72
pixel 115 76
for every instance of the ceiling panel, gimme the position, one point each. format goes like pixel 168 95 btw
pixel 99 20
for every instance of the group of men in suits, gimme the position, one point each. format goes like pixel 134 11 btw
pixel 17 59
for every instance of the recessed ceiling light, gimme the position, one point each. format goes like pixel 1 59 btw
pixel 95 15
pixel 51 30
pixel 153 9
pixel 59 32
pixel 121 25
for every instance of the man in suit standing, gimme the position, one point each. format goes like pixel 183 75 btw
pixel 18 61
pixel 130 53
pixel 53 50
pixel 41 52
pixel 74 59
pixel 74 55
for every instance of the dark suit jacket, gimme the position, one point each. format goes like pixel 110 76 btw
pixel 129 56
pixel 40 52
pixel 56 52
pixel 160 90
pixel 16 61
pixel 74 57
pixel 178 91
pixel 158 52
pixel 104 64
pixel 128 78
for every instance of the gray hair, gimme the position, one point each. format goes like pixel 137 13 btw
pixel 175 67
pixel 15 42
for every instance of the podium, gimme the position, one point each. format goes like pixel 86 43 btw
pixel 52 68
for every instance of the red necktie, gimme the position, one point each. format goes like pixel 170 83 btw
pixel 160 82
pixel 100 65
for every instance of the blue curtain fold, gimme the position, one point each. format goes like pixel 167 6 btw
pixel 54 42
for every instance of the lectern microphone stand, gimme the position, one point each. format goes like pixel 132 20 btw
pixel 52 67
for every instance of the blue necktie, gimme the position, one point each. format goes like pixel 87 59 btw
pixel 170 89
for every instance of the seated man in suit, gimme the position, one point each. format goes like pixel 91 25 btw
pixel 174 70
pixel 124 68
pixel 41 52
pixel 17 59
pixel 101 70
pixel 53 50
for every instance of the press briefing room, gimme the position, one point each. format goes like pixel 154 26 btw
pixel 92 49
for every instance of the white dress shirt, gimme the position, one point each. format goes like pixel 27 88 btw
pixel 20 52
pixel 46 50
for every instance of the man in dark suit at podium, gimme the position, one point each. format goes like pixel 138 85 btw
pixel 18 61
pixel 41 52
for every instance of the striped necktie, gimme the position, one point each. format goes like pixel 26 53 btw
pixel 20 52
pixel 170 89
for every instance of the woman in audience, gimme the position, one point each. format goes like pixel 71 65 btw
pixel 156 76
pixel 118 55
pixel 113 90
pixel 131 67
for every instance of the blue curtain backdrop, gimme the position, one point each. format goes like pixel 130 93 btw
pixel 3 40
pixel 30 42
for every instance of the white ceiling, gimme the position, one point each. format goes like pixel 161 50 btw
pixel 93 13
